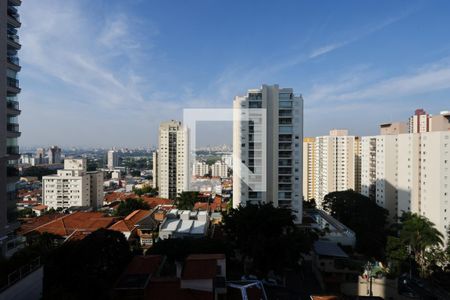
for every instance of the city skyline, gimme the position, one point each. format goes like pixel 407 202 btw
pixel 102 70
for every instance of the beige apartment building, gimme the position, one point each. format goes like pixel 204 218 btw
pixel 173 169
pixel 335 163
pixel 200 169
pixel 409 173
pixel 270 150
pixel 309 167
pixel 219 169
pixel 73 186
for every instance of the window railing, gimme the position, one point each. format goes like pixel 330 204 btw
pixel 12 127
pixel 12 82
pixel 13 60
pixel 12 171
pixel 13 150
pixel 12 104
pixel 13 37
pixel 12 12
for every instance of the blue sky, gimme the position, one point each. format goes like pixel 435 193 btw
pixel 106 72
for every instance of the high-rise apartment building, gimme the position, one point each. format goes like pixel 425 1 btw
pixel 379 171
pixel 393 128
pixel 219 169
pixel 419 122
pixel 155 169
pixel 200 169
pixel 73 186
pixel 113 159
pixel 54 155
pixel 9 112
pixel 309 165
pixel 173 159
pixel 277 142
pixel 440 122
pixel 334 163
pixel 40 156
pixel 409 173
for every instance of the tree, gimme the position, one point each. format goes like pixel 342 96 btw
pixel 26 213
pixel 146 190
pixel 186 200
pixel 421 235
pixel 86 269
pixel 266 237
pixel 363 216
pixel 129 205
pixel 38 172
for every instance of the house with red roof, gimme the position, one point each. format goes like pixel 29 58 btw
pixel 202 277
pixel 66 225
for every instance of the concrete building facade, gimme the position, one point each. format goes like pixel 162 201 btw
pixel 334 163
pixel 73 186
pixel 9 112
pixel 309 167
pixel 281 135
pixel 219 169
pixel 113 159
pixel 173 159
pixel 54 155
pixel 200 169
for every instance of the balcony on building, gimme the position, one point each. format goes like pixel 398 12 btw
pixel 12 105
pixel 13 38
pixel 12 171
pixel 13 85
pixel 14 2
pixel 13 16
pixel 13 62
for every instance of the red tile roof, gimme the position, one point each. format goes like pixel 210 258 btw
pixel 40 207
pixel 128 224
pixel 216 205
pixel 117 196
pixel 34 223
pixel 199 269
pixel 148 264
pixel 154 201
pixel 77 221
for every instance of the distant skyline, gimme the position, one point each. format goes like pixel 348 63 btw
pixel 106 73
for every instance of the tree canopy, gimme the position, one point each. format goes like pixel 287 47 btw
pixel 186 200
pixel 363 216
pixel 266 237
pixel 86 269
pixel 419 239
pixel 129 205
pixel 38 172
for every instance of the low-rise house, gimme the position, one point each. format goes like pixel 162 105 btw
pixel 65 225
pixel 202 276
pixel 184 223
pixel 128 225
pixel 39 209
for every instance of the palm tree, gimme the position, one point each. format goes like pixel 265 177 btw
pixel 421 235
pixel 186 200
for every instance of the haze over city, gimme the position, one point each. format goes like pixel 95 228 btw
pixel 95 71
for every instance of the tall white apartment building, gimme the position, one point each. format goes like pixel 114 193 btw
pixel 155 169
pixel 200 169
pixel 173 159
pixel 419 122
pixel 113 159
pixel 379 162
pixel 54 155
pixel 335 164
pixel 409 173
pixel 309 167
pixel 73 186
pixel 219 169
pixel 278 139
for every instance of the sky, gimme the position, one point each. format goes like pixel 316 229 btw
pixel 105 73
